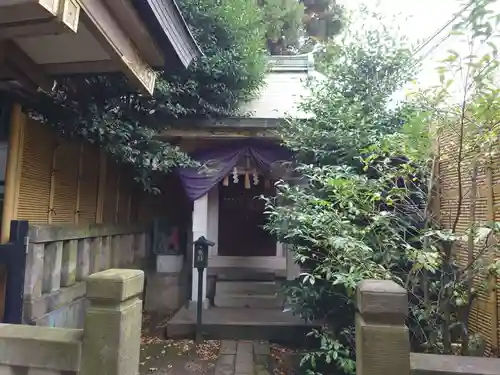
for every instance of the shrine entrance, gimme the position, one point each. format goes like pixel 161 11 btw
pixel 242 220
pixel 227 210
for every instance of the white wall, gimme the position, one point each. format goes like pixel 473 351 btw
pixel 200 228
pixel 213 219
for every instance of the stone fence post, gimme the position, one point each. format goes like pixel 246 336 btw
pixel 382 339
pixel 112 330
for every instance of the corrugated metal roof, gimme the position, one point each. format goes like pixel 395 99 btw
pixel 285 87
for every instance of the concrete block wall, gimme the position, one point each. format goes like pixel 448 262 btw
pixel 109 344
pixel 167 286
pixel 59 260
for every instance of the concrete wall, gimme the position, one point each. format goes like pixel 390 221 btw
pixel 166 293
pixel 60 259
pixel 167 287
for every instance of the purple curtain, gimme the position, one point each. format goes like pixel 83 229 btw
pixel 220 160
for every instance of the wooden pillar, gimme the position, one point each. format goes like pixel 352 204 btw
pixel 13 169
pixel 12 181
pixel 101 189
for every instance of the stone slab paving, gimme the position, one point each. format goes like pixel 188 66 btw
pixel 239 357
pixel 228 347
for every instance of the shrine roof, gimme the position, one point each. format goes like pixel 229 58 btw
pixel 286 86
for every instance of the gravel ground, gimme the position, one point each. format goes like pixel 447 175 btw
pixel 173 357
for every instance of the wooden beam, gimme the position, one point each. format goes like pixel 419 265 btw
pixel 19 166
pixel 18 78
pixel 24 68
pixel 7 74
pixel 29 29
pixel 26 29
pixel 68 69
pixel 20 10
pixel 99 21
pixel 69 14
pixel 38 17
pixel 129 20
pixel 81 67
pixel 223 133
pixel 232 124
pixel 13 169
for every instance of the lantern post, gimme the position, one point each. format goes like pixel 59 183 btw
pixel 200 261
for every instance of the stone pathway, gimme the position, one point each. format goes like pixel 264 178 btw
pixel 213 357
pixel 179 357
pixel 184 357
pixel 243 358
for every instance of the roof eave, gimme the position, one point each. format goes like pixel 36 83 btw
pixel 168 27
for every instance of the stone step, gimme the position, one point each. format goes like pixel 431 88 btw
pixel 242 324
pixel 250 301
pixel 247 287
pixel 245 274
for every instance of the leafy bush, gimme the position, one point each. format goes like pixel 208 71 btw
pixel 351 220
pixel 366 210
pixel 344 226
pixel 352 106
pixel 300 26
pixel 232 36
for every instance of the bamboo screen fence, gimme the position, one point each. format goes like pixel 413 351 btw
pixel 480 204
pixel 70 182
